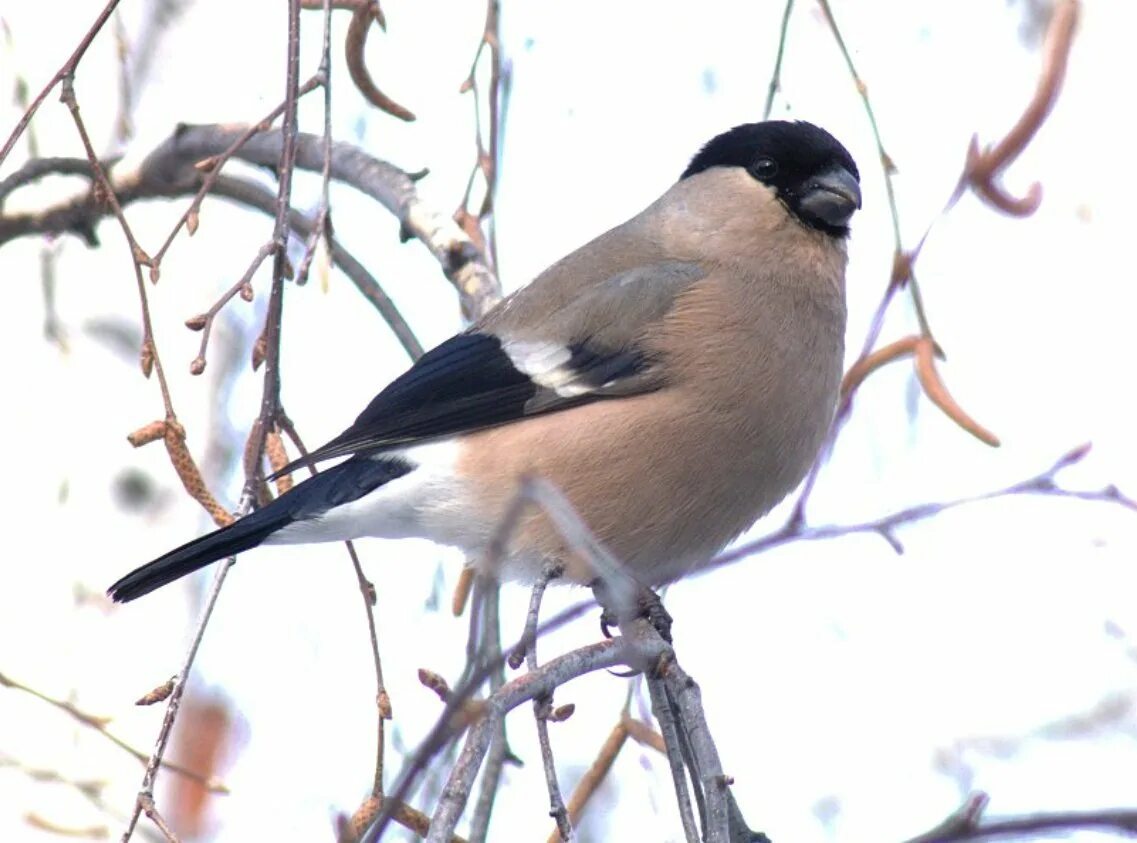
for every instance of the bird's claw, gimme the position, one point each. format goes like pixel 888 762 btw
pixel 649 607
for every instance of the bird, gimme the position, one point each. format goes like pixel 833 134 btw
pixel 674 379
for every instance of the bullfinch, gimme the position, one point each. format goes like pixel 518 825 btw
pixel 674 378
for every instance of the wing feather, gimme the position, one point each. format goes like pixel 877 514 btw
pixel 593 350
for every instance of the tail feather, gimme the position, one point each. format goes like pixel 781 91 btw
pixel 339 485
pixel 241 535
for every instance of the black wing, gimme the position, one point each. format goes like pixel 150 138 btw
pixel 492 374
pixel 471 381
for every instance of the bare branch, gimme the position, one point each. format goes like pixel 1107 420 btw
pixel 542 706
pixel 969 823
pixel 525 688
pixel 1043 484
pixel 776 75
pixel 63 73
pixel 670 730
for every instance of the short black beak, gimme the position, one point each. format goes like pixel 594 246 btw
pixel 832 196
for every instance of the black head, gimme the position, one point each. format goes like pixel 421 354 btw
pixel 807 168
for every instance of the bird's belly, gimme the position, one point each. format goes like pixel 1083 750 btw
pixel 662 494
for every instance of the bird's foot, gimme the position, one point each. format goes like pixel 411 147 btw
pixel 648 606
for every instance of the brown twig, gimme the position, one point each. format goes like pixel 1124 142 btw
pixel 270 402
pixel 382 698
pixel 642 733
pixel 211 167
pixel 173 434
pixel 924 350
pixel 253 195
pixel 475 224
pixel 104 192
pixel 644 650
pixel 462 589
pixel 356 826
pixel 984 168
pixel 363 13
pixel 321 229
pixel 935 389
pixel 65 72
pixel 357 30
pixel 168 172
pixel 1058 45
pixel 868 364
pixel 203 322
pixel 155 761
pixel 37 168
pixel 464 264
pixel 146 803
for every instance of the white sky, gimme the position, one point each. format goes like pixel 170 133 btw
pixel 855 694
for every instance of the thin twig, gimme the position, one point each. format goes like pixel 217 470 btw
pixel 146 802
pixel 321 229
pixel 682 690
pixel 979 172
pixel 532 685
pixel 99 724
pixel 483 649
pixel 269 404
pixel 253 195
pixel 443 731
pixel 204 322
pixel 479 225
pixel 669 728
pixel 888 167
pixel 162 177
pixel 150 360
pixel 212 167
pixel 542 706
pixel 776 75
pixel 67 70
pixel 174 702
pixel 382 699
pixel 1043 484
pixel 969 823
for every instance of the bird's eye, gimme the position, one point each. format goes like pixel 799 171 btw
pixel 764 169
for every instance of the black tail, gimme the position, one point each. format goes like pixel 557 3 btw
pixel 339 485
pixel 241 535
